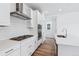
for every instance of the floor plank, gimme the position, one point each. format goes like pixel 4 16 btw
pixel 48 48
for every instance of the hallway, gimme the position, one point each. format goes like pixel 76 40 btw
pixel 48 48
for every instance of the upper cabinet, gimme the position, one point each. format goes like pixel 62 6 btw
pixel 26 10
pixel 33 16
pixel 36 17
pixel 12 7
pixel 4 14
pixel 33 21
pixel 39 17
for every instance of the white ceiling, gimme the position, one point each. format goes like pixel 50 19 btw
pixel 53 8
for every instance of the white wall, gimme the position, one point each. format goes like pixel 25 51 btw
pixel 17 27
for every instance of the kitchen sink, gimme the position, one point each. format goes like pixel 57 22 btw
pixel 19 38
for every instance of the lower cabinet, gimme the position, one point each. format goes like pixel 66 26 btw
pixel 28 47
pixel 11 51
pixel 15 53
pixel 24 48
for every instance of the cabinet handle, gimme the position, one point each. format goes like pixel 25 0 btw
pixel 9 51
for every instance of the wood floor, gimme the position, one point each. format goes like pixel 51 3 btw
pixel 48 48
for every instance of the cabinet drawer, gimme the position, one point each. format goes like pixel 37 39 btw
pixel 8 51
pixel 15 53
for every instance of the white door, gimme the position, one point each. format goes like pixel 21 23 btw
pixel 49 29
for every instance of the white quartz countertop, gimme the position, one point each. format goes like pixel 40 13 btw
pixel 4 44
pixel 8 43
pixel 70 40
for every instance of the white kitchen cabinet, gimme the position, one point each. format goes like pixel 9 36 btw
pixel 13 50
pixel 34 45
pixel 12 7
pixel 4 14
pixel 28 46
pixel 16 52
pixel 39 17
pixel 26 10
pixel 33 21
pixel 35 40
pixel 32 18
pixel 25 48
pixel 19 48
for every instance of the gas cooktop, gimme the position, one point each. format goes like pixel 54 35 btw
pixel 19 38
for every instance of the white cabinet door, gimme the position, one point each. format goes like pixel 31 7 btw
pixel 12 7
pixel 39 17
pixel 34 23
pixel 26 10
pixel 25 45
pixel 28 47
pixel 24 50
pixel 35 43
pixel 13 50
pixel 15 53
pixel 4 14
pixel 34 18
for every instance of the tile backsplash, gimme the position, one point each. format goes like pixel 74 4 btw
pixel 16 28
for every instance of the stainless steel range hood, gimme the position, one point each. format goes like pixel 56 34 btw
pixel 19 12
